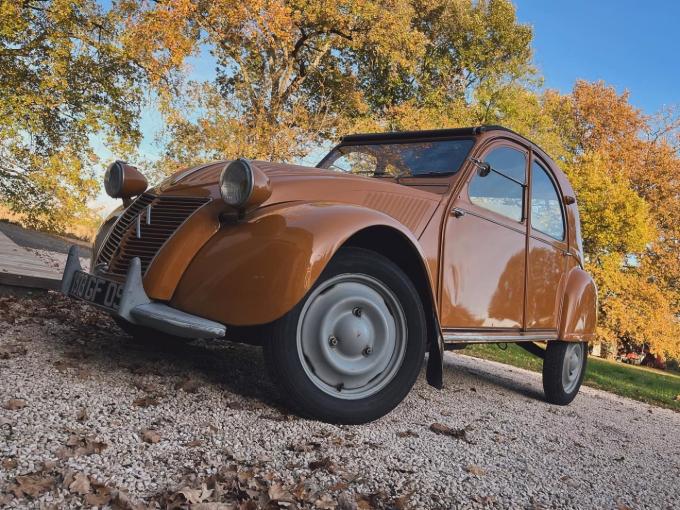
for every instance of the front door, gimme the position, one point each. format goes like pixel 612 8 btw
pixel 547 249
pixel 484 270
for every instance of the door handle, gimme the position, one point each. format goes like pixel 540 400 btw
pixel 457 212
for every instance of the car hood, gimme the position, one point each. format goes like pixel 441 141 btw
pixel 412 205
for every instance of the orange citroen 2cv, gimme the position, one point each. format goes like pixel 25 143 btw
pixel 347 273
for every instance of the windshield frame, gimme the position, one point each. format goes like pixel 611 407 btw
pixel 405 140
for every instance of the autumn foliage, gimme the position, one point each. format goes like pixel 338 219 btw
pixel 292 76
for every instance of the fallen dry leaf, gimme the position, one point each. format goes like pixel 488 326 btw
pixel 407 433
pixel 147 387
pixel 124 501
pixel 473 469
pixel 440 428
pixel 78 445
pixel 101 495
pixel 346 502
pixel 145 401
pixel 217 506
pixel 324 463
pixel 278 494
pixel 622 506
pixel 188 385
pixel 370 501
pixel 81 484
pixel 194 496
pixel 62 365
pixel 304 447
pixel 325 502
pixel 338 486
pixel 400 503
pixel 33 485
pixel 10 351
pixel 9 463
pixel 195 443
pixel 150 436
pixel 15 404
pixel 82 414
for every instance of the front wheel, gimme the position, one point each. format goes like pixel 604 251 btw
pixel 351 350
pixel 563 369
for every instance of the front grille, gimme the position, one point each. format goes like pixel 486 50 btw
pixel 123 243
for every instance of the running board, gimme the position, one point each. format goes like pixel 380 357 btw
pixel 478 338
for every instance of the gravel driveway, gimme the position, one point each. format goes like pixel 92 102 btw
pixel 88 418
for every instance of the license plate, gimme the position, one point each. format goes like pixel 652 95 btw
pixel 96 290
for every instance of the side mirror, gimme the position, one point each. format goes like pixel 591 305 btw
pixel 568 200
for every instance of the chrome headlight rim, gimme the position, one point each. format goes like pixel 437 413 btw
pixel 238 165
pixel 114 179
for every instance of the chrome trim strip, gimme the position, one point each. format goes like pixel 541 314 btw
pixel 475 338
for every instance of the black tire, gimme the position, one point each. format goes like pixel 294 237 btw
pixel 556 367
pixel 286 368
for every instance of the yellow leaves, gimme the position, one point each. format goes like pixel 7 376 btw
pixel 160 37
pixel 637 310
pixel 613 217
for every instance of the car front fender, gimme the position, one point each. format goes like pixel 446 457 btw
pixel 255 271
pixel 579 308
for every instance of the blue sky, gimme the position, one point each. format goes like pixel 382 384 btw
pixel 629 44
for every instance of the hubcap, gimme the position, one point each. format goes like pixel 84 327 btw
pixel 351 336
pixel 573 364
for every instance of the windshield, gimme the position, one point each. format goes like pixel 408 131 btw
pixel 400 159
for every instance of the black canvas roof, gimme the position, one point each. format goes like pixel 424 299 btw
pixel 431 133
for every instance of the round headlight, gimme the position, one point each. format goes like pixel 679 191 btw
pixel 236 182
pixel 113 179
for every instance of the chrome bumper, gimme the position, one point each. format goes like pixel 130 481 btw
pixel 136 307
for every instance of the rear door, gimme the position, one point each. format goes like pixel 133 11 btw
pixel 484 252
pixel 548 247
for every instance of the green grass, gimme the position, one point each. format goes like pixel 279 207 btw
pixel 640 383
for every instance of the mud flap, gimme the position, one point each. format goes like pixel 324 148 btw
pixel 435 364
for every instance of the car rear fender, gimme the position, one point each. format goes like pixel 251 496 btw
pixel 579 308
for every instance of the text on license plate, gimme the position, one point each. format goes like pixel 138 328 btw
pixel 97 290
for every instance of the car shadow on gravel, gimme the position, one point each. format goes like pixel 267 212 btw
pixel 236 368
pixel 239 368
pixel 526 387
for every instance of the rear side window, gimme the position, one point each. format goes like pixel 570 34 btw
pixel 502 190
pixel 546 207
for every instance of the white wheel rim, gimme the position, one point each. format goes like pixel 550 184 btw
pixel 572 366
pixel 351 336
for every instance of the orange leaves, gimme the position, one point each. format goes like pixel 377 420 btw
pixel 630 211
pixel 606 120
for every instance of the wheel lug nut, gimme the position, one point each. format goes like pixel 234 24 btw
pixel 356 311
pixel 367 350
pixel 332 340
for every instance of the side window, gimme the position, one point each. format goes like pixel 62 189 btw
pixel 546 209
pixel 502 190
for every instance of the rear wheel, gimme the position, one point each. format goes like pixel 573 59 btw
pixel 351 350
pixel 563 369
